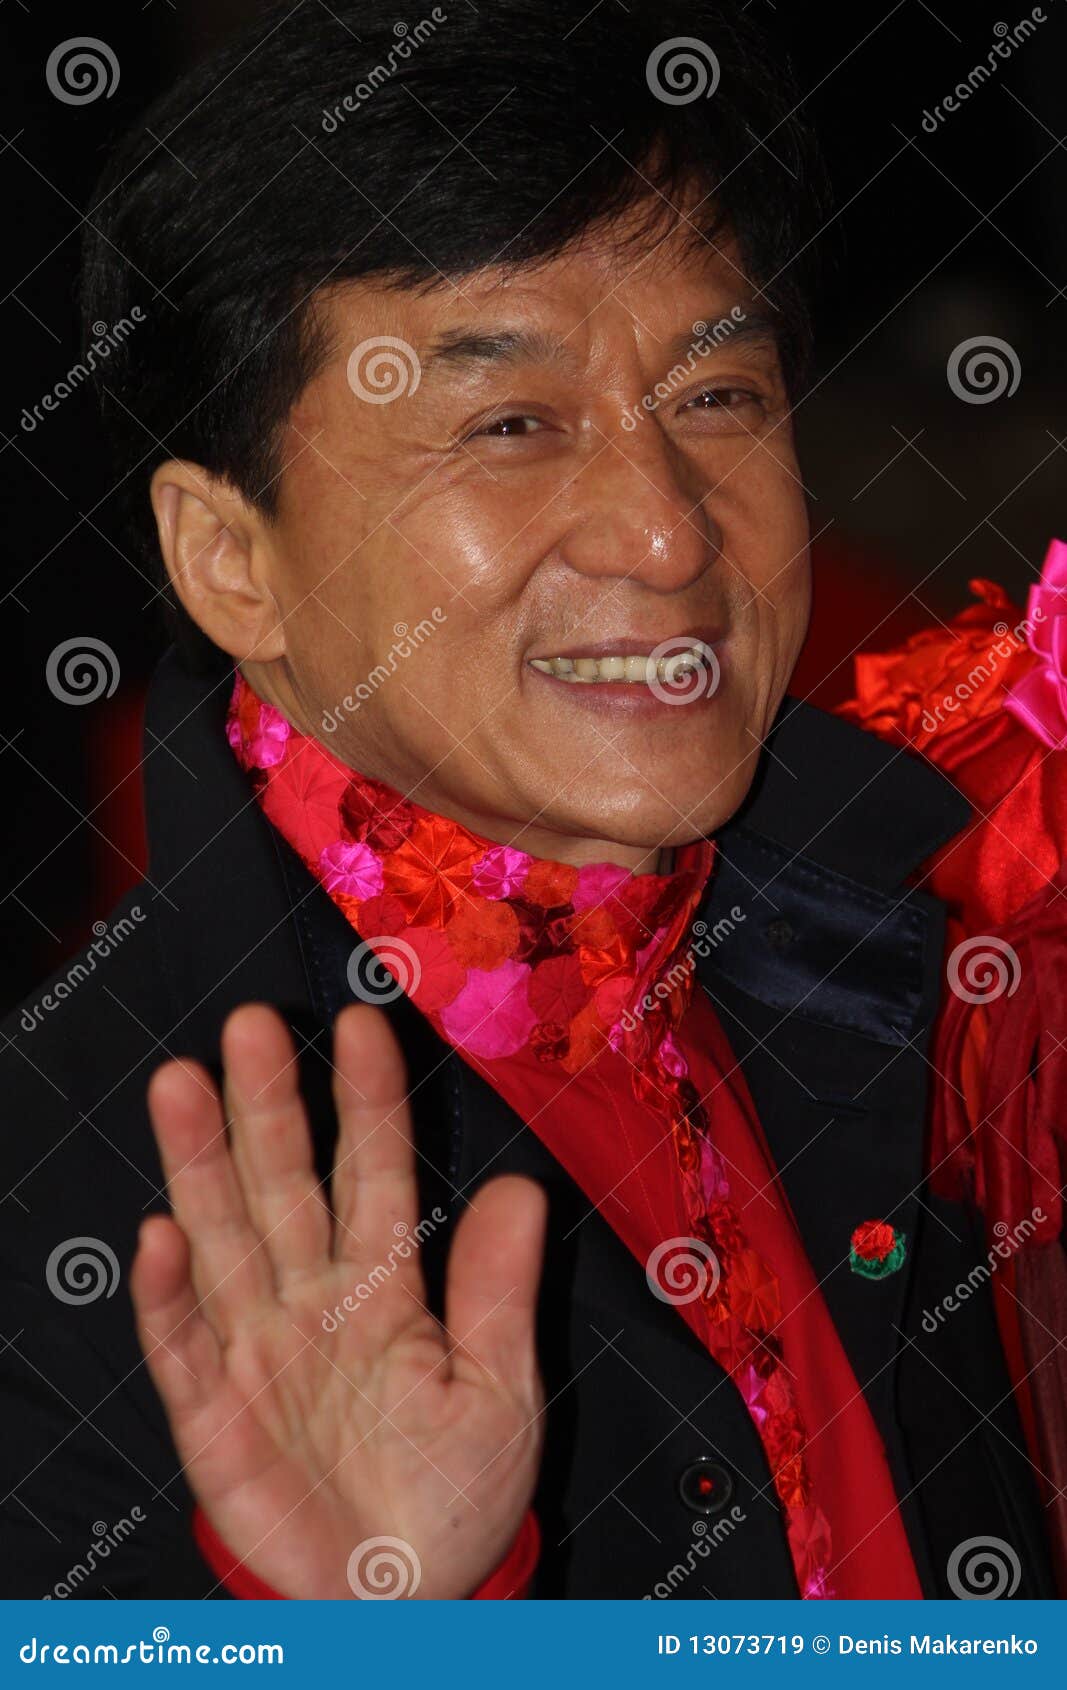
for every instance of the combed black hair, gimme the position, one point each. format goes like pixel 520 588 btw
pixel 326 144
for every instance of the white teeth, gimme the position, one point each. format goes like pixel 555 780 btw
pixel 638 667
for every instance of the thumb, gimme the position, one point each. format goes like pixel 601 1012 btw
pixel 494 1270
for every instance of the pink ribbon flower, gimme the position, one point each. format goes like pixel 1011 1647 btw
pixel 1039 700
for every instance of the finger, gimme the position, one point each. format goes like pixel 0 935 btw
pixel 271 1142
pixel 220 1443
pixel 375 1199
pixel 229 1269
pixel 494 1270
pixel 182 1352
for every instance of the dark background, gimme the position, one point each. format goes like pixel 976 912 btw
pixel 936 238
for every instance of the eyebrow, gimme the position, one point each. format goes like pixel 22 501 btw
pixel 757 329
pixel 504 347
pixel 465 345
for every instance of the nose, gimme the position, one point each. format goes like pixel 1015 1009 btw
pixel 640 511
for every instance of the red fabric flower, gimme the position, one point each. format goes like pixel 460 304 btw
pixel 376 816
pixel 304 790
pixel 549 1041
pixel 901 694
pixel 873 1240
pixel 724 1226
pixel 433 868
pixel 381 915
pixel 543 933
pixel 754 1293
pixel 784 1436
pixel 483 932
pixel 605 962
pixel 550 883
pixel 593 927
pixel 441 974
pixel 557 991
pixel 686 1147
pixel 791 1483
pixel 588 1039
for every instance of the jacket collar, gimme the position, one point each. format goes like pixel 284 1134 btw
pixel 842 798
pixel 816 866
pixel 826 794
pixel 227 930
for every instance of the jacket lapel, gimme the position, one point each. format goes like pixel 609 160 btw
pixel 825 969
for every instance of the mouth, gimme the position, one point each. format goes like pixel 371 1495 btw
pixel 633 668
pixel 676 670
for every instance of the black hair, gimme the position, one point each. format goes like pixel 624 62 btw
pixel 332 143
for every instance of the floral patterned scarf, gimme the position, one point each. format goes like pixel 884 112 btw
pixel 571 991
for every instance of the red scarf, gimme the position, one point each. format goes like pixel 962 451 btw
pixel 985 699
pixel 570 991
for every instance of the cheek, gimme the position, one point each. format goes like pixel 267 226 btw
pixel 481 530
pixel 768 516
pixel 784 593
pixel 792 614
pixel 766 531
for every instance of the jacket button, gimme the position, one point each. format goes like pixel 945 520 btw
pixel 705 1486
pixel 780 934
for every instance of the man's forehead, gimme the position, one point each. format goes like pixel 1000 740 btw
pixel 500 344
pixel 552 311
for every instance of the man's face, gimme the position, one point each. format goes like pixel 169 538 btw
pixel 595 460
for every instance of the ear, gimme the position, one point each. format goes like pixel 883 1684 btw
pixel 218 554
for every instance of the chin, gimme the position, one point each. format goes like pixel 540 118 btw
pixel 675 806
pixel 653 823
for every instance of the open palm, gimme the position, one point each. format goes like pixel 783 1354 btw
pixel 307 1440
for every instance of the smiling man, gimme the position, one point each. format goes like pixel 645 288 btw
pixel 523 1051
pixel 498 485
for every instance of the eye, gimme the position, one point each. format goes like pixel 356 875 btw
pixel 721 398
pixel 505 428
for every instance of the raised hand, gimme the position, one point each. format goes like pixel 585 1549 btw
pixel 303 1443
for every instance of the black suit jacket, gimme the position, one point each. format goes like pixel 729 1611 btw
pixel 826 987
